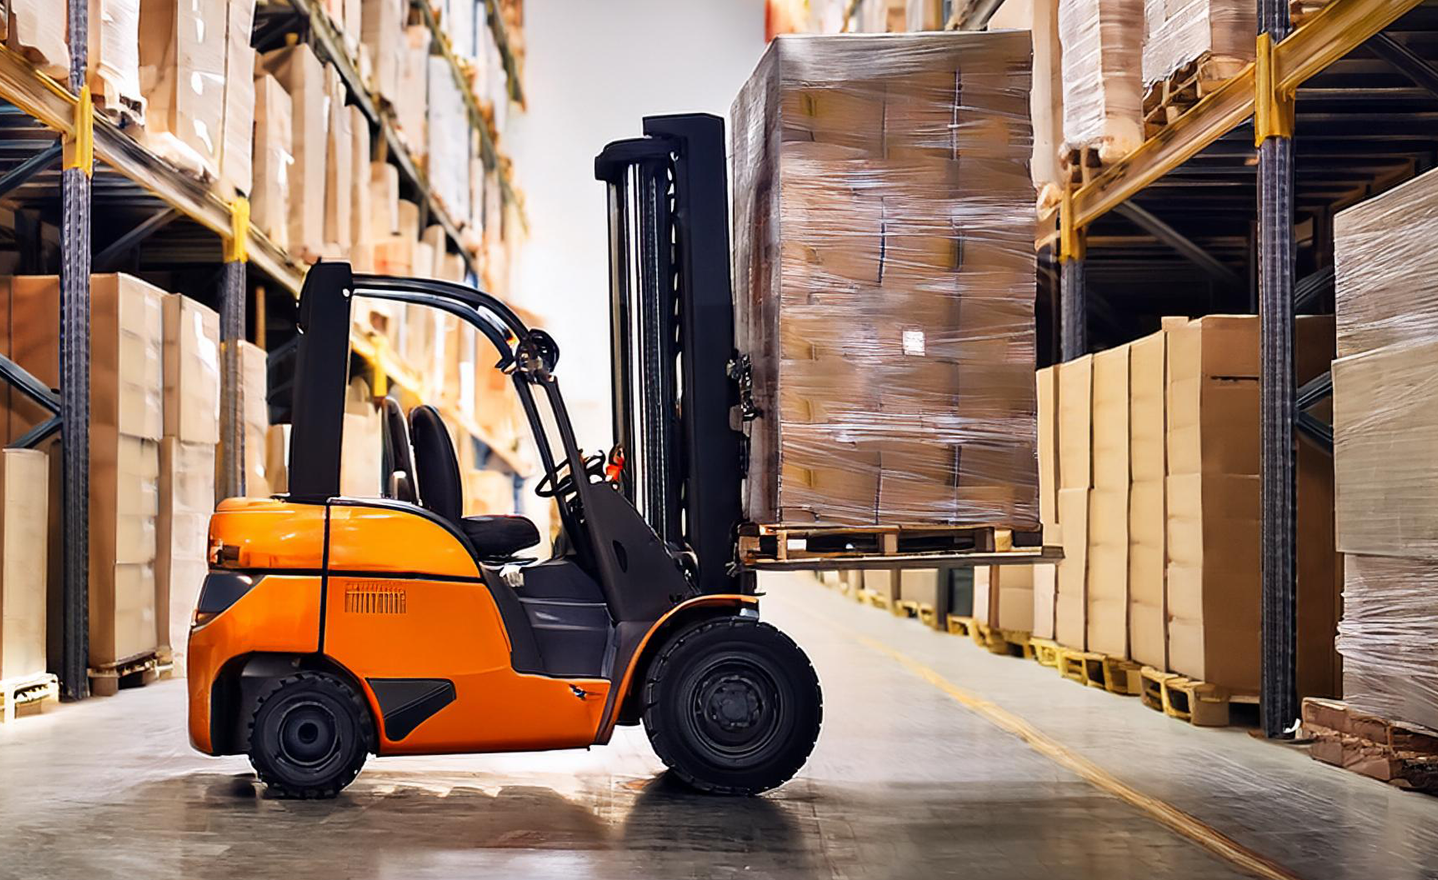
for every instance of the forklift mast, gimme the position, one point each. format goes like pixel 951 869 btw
pixel 672 337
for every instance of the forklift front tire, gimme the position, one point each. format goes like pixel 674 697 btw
pixel 732 706
pixel 309 735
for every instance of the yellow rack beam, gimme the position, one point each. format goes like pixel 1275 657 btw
pixel 1329 35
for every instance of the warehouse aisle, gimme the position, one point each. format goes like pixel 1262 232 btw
pixel 906 783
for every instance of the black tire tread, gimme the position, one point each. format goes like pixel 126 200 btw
pixel 673 758
pixel 272 780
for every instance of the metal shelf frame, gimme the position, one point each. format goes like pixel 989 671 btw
pixel 1266 91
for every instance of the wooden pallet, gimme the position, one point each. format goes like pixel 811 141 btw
pixel 1166 101
pixel 1010 642
pixel 874 599
pixel 1198 702
pixel 928 615
pixel 905 608
pixel 106 681
pixel 1113 674
pixel 1045 651
pixel 782 543
pixel 1400 754
pixel 1080 165
pixel 960 626
pixel 28 695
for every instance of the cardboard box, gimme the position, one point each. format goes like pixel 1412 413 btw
pixel 1047 380
pixel 339 169
pixel 236 167
pixel 361 452
pixel 301 74
pixel 273 160
pixel 1075 424
pixel 1071 596
pixel 191 370
pixel 448 133
pixel 1046 594
pixel 1108 504
pixel 1387 635
pixel 1147 509
pixel 844 206
pixel 1176 34
pixel 1004 596
pixel 361 207
pixel 255 409
pixel 24 515
pixel 182 73
pixel 412 105
pixel 38 33
pixel 1102 56
pixel 384 201
pixel 186 498
pixel 383 34
pixel 922 585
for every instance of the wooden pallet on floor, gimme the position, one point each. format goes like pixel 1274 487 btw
pixel 928 615
pixel 1010 642
pixel 1166 101
pixel 905 608
pixel 1198 702
pixel 1113 674
pixel 959 625
pixel 106 681
pixel 1045 651
pixel 28 695
pixel 759 544
pixel 1077 665
pixel 874 599
pixel 1400 754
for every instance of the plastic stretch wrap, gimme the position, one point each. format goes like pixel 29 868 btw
pixel 114 56
pixel 37 31
pixel 1384 262
pixel 1389 637
pixel 883 230
pixel 449 134
pixel 1102 92
pixel 236 168
pixel 182 72
pixel 1177 32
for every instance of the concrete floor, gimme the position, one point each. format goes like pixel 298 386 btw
pixel 906 782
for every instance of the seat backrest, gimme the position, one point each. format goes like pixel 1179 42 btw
pixel 398 460
pixel 436 465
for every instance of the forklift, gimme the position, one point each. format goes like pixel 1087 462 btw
pixel 330 627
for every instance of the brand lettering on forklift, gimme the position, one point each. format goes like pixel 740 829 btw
pixel 375 598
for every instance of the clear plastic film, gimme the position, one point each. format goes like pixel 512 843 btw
pixel 1102 91
pixel 182 72
pixel 114 56
pixel 1179 31
pixel 37 31
pixel 1380 246
pixel 273 158
pixel 884 266
pixel 1389 637
pixel 449 134
pixel 236 167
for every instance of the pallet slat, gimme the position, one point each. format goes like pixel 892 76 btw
pixel 1402 755
pixel 760 544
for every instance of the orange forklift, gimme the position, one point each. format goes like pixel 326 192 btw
pixel 330 627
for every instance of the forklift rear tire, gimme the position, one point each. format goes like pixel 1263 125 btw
pixel 732 706
pixel 309 735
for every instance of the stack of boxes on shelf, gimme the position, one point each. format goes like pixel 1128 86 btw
pixel 1383 420
pixel 886 274
pixel 279 128
pixel 1157 505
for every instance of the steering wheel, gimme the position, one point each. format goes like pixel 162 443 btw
pixel 563 482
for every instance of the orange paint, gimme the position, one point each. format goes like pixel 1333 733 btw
pixel 269 534
pixel 280 613
pixel 414 628
pixel 386 539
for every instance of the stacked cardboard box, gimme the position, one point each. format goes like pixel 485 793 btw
pixel 37 33
pixel 1045 577
pixel 1177 33
pixel 1075 481
pixel 236 159
pixel 24 514
pixel 298 70
pixel 255 416
pixel 187 461
pixel 1107 555
pixel 126 423
pixel 339 171
pixel 448 132
pixel 1147 508
pixel 1102 89
pixel 883 228
pixel 113 55
pixel 382 33
pixel 1387 474
pixel 1004 597
pixel 411 106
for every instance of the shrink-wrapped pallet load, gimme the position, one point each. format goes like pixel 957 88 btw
pixel 382 32
pixel 449 133
pixel 411 103
pixel 1046 96
pixel 339 171
pixel 1218 34
pixel 1102 89
pixel 113 56
pixel 236 166
pixel 37 32
pixel 384 200
pixel 1385 387
pixel 182 73
pixel 361 206
pixel 273 160
pixel 884 253
pixel 303 77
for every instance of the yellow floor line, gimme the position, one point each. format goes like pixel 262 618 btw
pixel 1166 814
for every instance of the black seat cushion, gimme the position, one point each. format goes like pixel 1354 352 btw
pixel 397 454
pixel 436 465
pixel 495 537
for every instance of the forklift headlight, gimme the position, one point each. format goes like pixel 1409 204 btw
pixel 221 590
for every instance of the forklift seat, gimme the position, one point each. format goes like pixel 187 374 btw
pixel 399 464
pixel 442 492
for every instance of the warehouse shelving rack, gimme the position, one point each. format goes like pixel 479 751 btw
pixel 1312 125
pixel 52 141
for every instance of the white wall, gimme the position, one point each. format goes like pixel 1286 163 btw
pixel 594 69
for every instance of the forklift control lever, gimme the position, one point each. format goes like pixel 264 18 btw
pixel 563 482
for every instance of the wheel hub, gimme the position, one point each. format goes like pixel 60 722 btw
pixel 734 703
pixel 309 734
